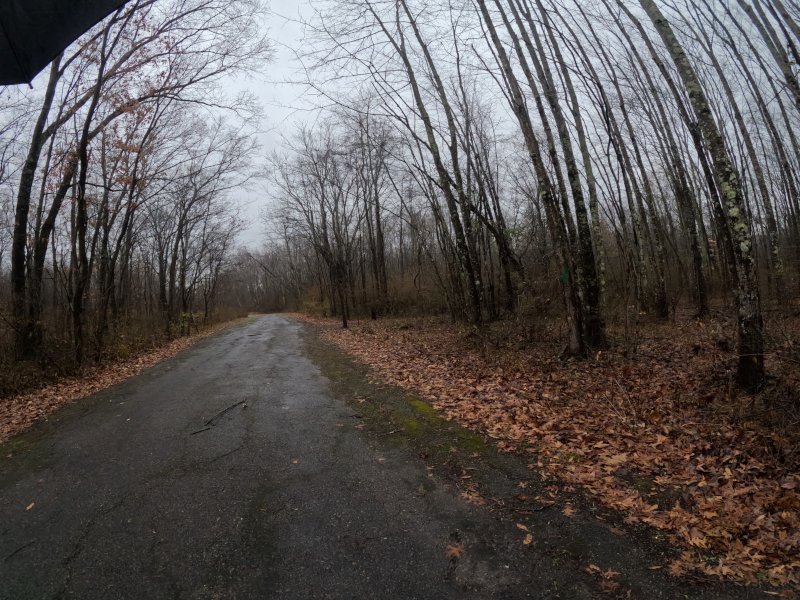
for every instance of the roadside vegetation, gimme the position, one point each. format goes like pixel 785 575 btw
pixel 118 168
pixel 469 430
pixel 572 226
pixel 659 437
pixel 599 206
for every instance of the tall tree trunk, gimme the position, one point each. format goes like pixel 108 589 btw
pixel 758 172
pixel 24 342
pixel 556 221
pixel 750 370
pixel 593 320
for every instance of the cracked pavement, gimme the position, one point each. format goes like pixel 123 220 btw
pixel 230 471
pixel 234 471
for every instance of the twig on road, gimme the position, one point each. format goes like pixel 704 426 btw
pixel 223 411
pixel 210 422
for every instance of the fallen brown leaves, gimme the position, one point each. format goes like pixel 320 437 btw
pixel 645 435
pixel 606 578
pixel 454 551
pixel 18 413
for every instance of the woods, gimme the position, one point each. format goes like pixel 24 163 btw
pixel 493 160
pixel 117 171
pixel 615 161
pixel 571 228
pixel 488 159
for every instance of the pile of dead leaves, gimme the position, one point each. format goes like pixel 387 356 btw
pixel 18 413
pixel 645 435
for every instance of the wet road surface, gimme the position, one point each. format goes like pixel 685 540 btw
pixel 232 472
pixel 229 472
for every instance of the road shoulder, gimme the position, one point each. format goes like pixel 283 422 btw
pixel 540 523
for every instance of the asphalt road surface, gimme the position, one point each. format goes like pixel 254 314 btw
pixel 232 471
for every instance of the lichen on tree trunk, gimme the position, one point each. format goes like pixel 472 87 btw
pixel 750 369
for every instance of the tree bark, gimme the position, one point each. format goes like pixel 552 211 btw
pixel 750 370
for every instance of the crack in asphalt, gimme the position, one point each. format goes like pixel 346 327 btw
pixel 66 563
pixel 282 500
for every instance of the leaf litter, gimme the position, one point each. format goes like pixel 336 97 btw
pixel 645 435
pixel 19 413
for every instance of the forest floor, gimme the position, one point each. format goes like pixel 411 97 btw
pixel 655 430
pixel 21 411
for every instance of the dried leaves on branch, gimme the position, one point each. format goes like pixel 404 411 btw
pixel 657 436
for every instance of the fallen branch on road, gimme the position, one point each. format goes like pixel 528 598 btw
pixel 210 422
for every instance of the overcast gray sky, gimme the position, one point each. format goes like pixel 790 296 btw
pixel 285 104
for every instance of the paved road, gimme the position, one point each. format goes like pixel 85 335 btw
pixel 157 491
pixel 233 472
